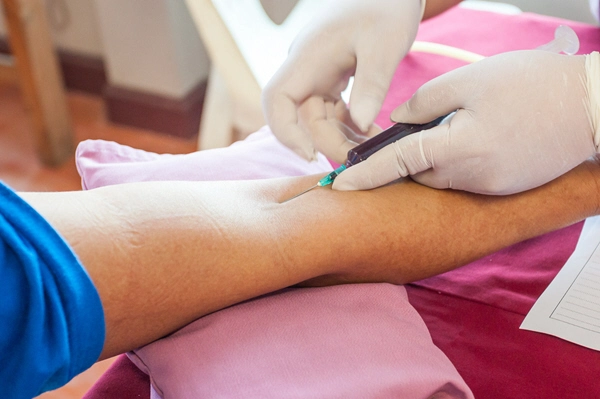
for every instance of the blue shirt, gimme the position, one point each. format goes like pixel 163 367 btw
pixel 51 317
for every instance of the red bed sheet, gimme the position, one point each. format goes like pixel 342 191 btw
pixel 474 313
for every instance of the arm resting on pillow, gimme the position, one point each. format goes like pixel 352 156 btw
pixel 163 254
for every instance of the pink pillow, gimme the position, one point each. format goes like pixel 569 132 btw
pixel 354 341
pixel 259 156
pixel 351 341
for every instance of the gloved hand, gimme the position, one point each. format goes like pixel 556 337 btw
pixel 523 119
pixel 364 39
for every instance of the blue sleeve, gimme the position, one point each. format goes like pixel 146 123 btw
pixel 52 318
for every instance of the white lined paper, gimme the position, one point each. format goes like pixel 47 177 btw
pixel 570 307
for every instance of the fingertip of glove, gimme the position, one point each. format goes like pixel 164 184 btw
pixel 343 185
pixel 296 140
pixel 363 113
pixel 309 154
pixel 399 114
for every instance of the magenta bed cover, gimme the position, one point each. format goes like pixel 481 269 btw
pixel 474 313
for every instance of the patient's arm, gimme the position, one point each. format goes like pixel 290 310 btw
pixel 165 253
pixel 436 7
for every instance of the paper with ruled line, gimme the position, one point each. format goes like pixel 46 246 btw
pixel 570 307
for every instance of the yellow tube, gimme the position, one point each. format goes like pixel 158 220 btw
pixel 446 51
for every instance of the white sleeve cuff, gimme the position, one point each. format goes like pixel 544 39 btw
pixel 595 5
pixel 592 72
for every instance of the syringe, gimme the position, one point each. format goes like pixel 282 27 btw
pixel 371 146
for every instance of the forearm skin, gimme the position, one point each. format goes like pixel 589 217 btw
pixel 436 7
pixel 163 254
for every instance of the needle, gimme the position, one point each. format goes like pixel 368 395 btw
pixel 303 192
pixel 371 146
pixel 327 180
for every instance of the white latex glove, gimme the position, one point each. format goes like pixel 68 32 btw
pixel 523 119
pixel 364 39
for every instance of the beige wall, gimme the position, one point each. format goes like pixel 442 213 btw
pixel 74 26
pixel 151 46
pixel 147 45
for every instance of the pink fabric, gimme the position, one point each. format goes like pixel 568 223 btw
pixel 355 341
pixel 259 156
pixel 352 341
pixel 484 33
pixel 121 381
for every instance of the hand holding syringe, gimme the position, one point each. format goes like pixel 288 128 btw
pixel 565 41
pixel 363 151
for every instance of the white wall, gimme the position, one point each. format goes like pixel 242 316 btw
pixel 577 10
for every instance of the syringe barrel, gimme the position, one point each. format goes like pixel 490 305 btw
pixel 388 136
